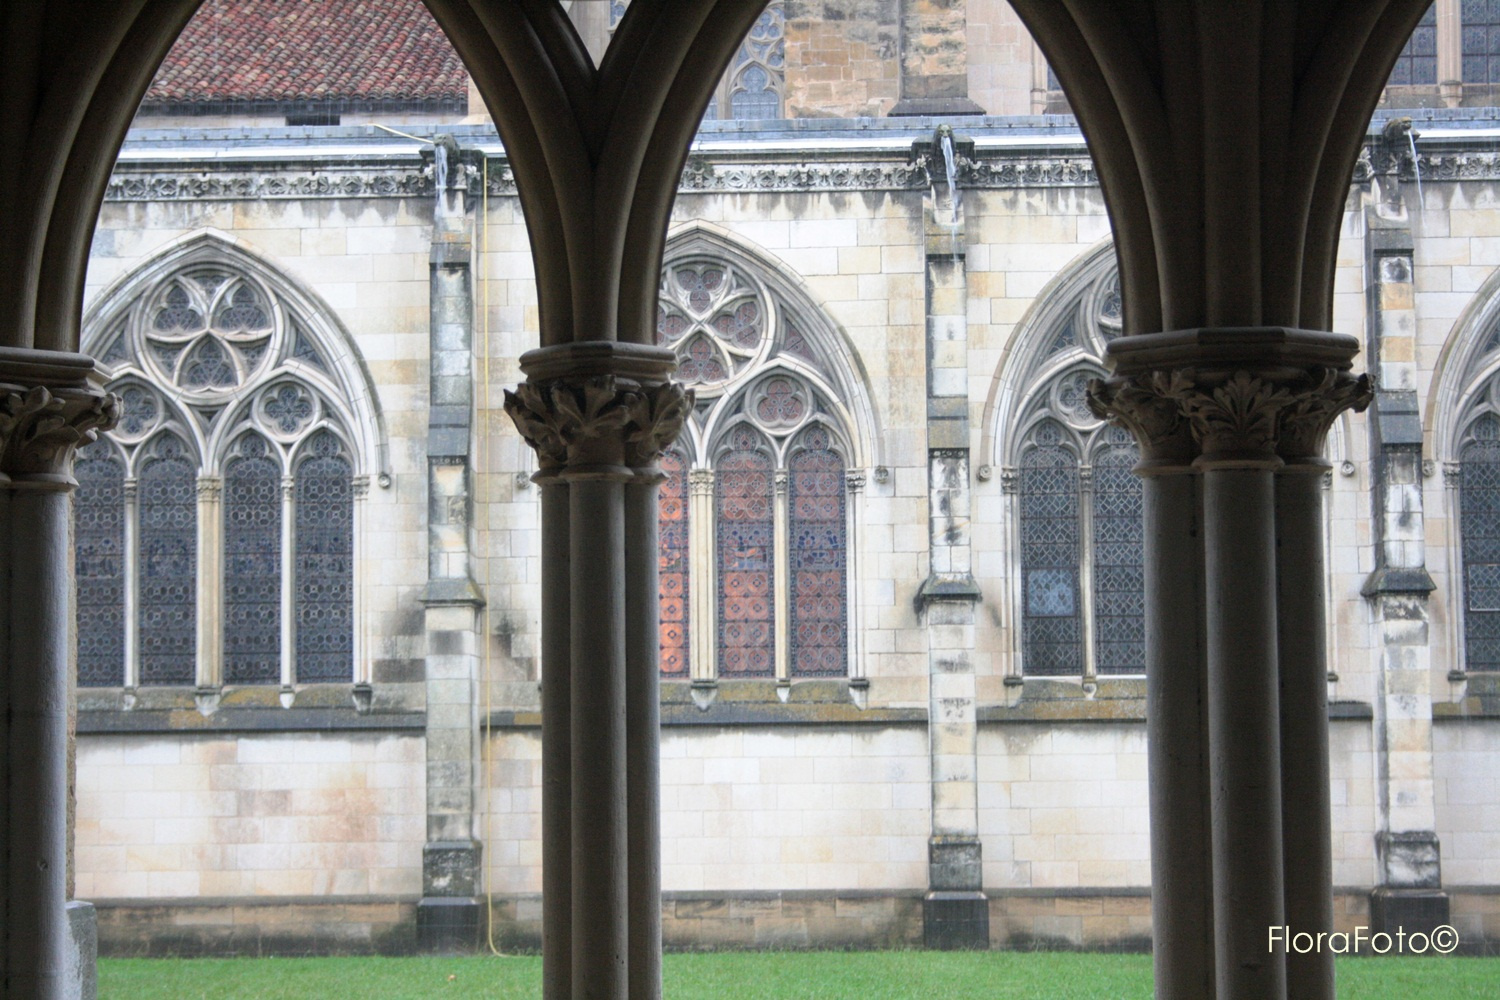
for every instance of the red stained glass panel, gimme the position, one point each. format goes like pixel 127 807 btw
pixel 745 533
pixel 672 513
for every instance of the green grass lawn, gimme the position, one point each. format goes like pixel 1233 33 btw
pixel 892 975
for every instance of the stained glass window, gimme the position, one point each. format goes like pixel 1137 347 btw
pixel 1051 630
pixel 672 507
pixel 745 528
pixel 817 557
pixel 167 499
pixel 1479 512
pixel 1417 63
pixel 99 565
pixel 1119 573
pixel 1480 25
pixel 252 564
pixel 759 68
pixel 324 566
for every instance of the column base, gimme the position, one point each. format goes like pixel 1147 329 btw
pixel 1409 910
pixel 955 920
pixel 81 974
pixel 450 925
pixel 450 868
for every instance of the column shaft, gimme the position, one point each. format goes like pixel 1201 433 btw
pixel 1176 742
pixel 1307 829
pixel 599 868
pixel 38 571
pixel 643 736
pixel 557 744
pixel 1244 735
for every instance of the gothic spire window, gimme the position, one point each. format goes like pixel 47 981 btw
pixel 757 518
pixel 244 437
pixel 1076 510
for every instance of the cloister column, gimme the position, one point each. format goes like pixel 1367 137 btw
pixel 597 153
pixel 49 406
pixel 1225 136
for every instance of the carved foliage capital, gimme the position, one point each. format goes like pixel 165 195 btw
pixel 595 421
pixel 1243 415
pixel 41 429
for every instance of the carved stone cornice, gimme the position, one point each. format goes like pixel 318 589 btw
pixel 41 428
pixel 597 422
pixel 187 180
pixel 1248 417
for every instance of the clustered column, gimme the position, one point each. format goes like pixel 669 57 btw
pixel 1231 425
pixel 599 415
pixel 49 406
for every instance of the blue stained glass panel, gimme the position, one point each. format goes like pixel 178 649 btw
pixel 1119 569
pixel 1479 525
pixel 1051 626
pixel 252 565
pixel 167 500
pixel 324 503
pixel 99 565
pixel 818 558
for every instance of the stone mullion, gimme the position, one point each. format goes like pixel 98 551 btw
pixel 782 582
pixel 1453 498
pixel 1086 572
pixel 360 488
pixel 210 583
pixel 288 584
pixel 132 571
pixel 703 584
pixel 1449 52
pixel 854 483
pixel 1010 484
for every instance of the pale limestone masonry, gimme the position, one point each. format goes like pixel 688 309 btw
pixel 807 821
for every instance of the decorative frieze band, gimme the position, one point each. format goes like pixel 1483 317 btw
pixel 41 429
pixel 191 179
pixel 1380 160
pixel 1229 416
pixel 594 422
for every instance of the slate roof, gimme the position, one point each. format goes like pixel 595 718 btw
pixel 334 51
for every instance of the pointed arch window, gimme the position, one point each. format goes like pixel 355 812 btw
pixel 218 521
pixel 758 517
pixel 1075 503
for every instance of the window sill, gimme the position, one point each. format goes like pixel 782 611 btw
pixel 313 707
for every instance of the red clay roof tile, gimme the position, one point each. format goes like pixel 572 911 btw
pixel 310 50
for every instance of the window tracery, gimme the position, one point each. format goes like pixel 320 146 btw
pixel 760 550
pixel 1077 508
pixel 239 437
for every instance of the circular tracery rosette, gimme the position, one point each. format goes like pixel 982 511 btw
pixel 715 319
pixel 209 332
